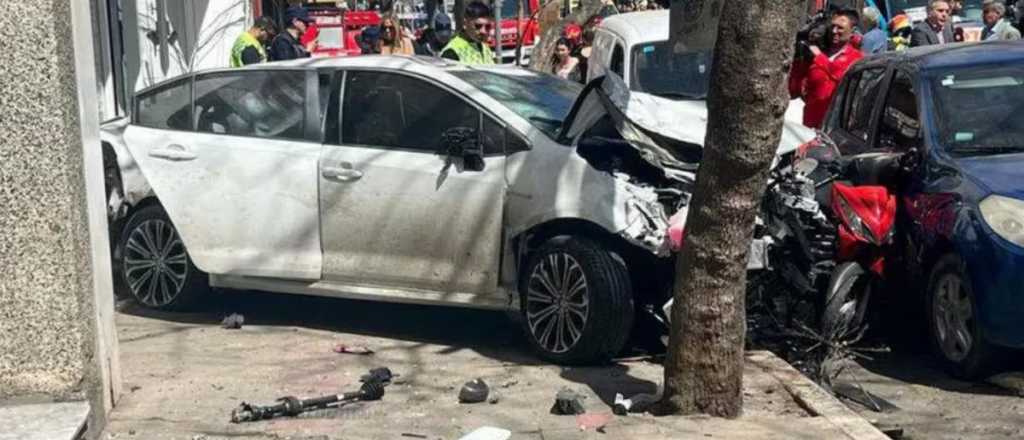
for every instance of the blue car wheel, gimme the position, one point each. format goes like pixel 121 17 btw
pixel 953 327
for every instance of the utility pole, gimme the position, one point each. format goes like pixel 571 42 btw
pixel 497 31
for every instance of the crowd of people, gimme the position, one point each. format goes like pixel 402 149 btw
pixel 851 35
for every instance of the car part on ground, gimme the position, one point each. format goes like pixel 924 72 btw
pixel 576 301
pixel 155 264
pixel 291 406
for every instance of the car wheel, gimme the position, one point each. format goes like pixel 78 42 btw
pixel 846 301
pixel 154 264
pixel 953 328
pixel 576 301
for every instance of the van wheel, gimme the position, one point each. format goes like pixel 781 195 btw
pixel 155 266
pixel 576 301
pixel 953 328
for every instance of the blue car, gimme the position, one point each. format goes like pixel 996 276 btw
pixel 957 113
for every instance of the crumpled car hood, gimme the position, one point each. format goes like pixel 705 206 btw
pixel 668 133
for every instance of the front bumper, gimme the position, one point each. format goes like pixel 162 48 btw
pixel 996 270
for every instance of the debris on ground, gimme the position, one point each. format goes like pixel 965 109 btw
pixel 864 397
pixel 568 403
pixel 1012 381
pixel 474 391
pixel 510 384
pixel 233 321
pixel 592 421
pixel 412 435
pixel 488 433
pixel 638 403
pixel 350 349
pixel 379 374
pixel 371 389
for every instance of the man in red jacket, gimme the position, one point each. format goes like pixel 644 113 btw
pixel 815 81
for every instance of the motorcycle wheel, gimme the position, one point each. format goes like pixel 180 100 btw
pixel 846 301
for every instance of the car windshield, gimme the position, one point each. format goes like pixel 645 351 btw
pixel 659 70
pixel 542 99
pixel 980 109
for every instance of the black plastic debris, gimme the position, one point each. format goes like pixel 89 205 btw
pixel 372 388
pixel 233 321
pixel 568 403
pixel 474 391
pixel 864 397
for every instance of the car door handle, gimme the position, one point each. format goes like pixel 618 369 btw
pixel 172 152
pixel 344 173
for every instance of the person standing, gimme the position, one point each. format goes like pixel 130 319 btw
pixel 470 45
pixel 874 40
pixel 248 47
pixel 996 27
pixel 287 45
pixel 936 29
pixel 815 81
pixel 436 37
pixel 563 64
pixel 393 40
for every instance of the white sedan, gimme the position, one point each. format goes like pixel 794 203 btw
pixel 399 179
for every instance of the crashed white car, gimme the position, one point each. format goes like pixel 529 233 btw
pixel 401 179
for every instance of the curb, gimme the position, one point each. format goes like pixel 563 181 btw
pixel 814 399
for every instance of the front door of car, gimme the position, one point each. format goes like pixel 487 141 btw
pixel 395 210
pixel 235 170
pixel 851 116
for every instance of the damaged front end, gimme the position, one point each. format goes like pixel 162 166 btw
pixel 655 171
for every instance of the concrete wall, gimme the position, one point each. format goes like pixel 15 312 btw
pixel 55 315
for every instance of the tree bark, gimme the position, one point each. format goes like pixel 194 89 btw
pixel 746 102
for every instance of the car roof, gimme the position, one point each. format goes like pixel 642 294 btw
pixel 638 27
pixel 954 55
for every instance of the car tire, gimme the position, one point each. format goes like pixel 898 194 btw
pixel 154 265
pixel 576 301
pixel 846 301
pixel 953 330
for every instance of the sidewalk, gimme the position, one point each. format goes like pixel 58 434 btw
pixel 185 377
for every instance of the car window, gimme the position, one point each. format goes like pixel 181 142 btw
pixel 900 126
pixel 618 58
pixel 168 107
pixel 269 104
pixel 861 97
pixel 659 70
pixel 493 138
pixel 398 111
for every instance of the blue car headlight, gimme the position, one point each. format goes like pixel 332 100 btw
pixel 1005 216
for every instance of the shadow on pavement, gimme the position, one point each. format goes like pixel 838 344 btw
pixel 490 333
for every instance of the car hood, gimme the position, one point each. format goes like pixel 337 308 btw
pixel 668 133
pixel 1002 174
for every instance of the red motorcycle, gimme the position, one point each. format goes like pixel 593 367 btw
pixel 831 221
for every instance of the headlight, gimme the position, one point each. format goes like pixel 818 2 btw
pixel 1005 216
pixel 854 222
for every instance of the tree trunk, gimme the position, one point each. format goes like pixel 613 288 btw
pixel 746 102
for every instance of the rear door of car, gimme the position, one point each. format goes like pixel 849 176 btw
pixel 852 117
pixel 395 211
pixel 232 157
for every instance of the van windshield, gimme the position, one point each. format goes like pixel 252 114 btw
pixel 659 70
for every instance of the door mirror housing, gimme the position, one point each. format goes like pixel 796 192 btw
pixel 463 143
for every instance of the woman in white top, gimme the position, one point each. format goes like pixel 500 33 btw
pixel 564 64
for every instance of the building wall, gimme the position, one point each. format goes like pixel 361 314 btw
pixel 54 345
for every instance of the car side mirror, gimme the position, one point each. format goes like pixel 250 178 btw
pixel 463 143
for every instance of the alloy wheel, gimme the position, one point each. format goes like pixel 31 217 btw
pixel 953 314
pixel 155 263
pixel 557 302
